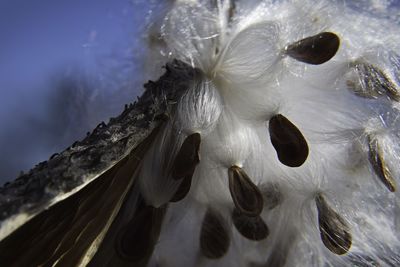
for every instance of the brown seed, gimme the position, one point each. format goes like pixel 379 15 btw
pixel 183 189
pixel 378 164
pixel 187 158
pixel 288 141
pixel 372 82
pixel 136 241
pixel 315 49
pixel 253 228
pixel 334 231
pixel 214 236
pixel 245 194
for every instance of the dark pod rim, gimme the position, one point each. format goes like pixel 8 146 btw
pixel 289 143
pixel 245 194
pixel 316 49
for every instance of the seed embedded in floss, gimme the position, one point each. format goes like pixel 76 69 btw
pixel 155 181
pixel 187 158
pixel 138 238
pixel 253 228
pixel 367 80
pixel 215 235
pixel 316 49
pixel 245 194
pixel 177 153
pixel 289 143
pixel 334 231
pixel 212 154
pixel 378 163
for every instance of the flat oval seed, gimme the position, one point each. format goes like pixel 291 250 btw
pixel 253 228
pixel 136 241
pixel 334 231
pixel 187 158
pixel 315 49
pixel 245 194
pixel 214 236
pixel 288 141
pixel 367 80
pixel 378 164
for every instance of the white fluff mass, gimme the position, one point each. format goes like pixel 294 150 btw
pixel 247 78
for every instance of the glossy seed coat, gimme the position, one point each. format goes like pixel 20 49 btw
pixel 315 49
pixel 245 194
pixel 215 237
pixel 334 231
pixel 288 141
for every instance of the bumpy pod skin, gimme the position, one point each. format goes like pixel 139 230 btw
pixel 276 153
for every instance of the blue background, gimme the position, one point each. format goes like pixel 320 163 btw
pixel 64 67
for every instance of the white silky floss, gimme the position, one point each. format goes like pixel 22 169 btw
pixel 249 75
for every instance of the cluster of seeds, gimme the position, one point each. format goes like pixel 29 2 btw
pixel 268 158
pixel 212 132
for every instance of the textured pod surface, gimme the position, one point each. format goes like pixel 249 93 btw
pixel 315 49
pixel 62 234
pixel 335 233
pixel 288 141
pixel 245 194
pixel 215 237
